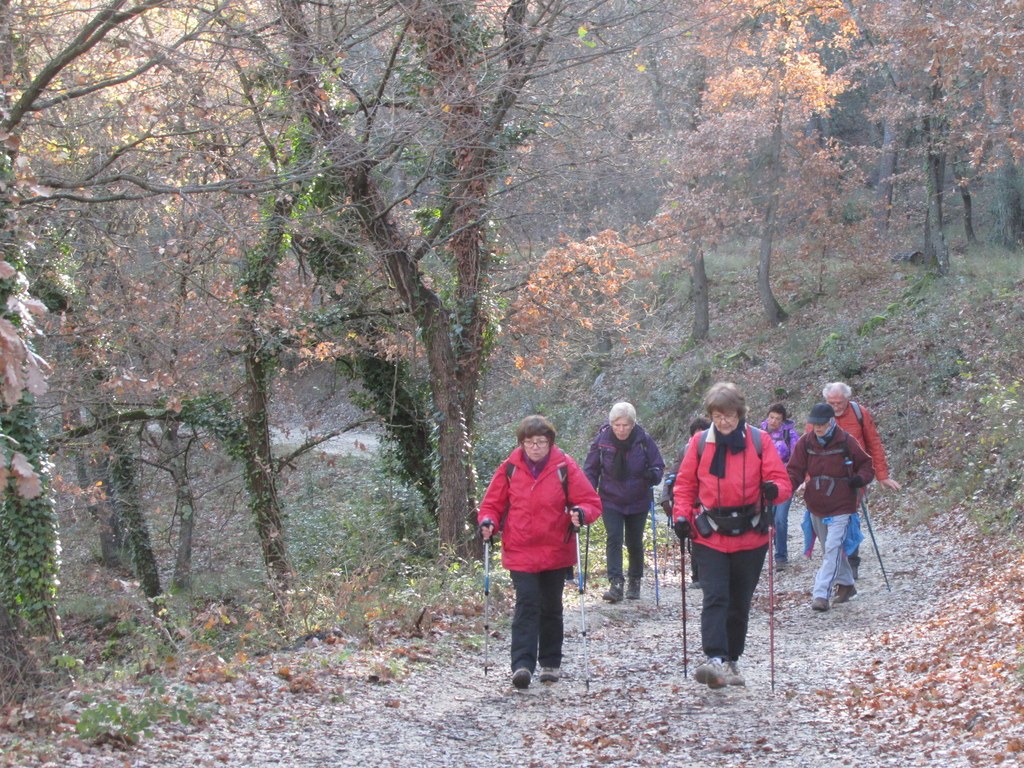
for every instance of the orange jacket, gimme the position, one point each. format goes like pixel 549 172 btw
pixel 530 514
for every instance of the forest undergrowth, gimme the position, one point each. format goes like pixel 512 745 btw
pixel 936 675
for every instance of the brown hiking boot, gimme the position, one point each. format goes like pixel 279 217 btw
pixel 614 593
pixel 732 674
pixel 819 604
pixel 521 678
pixel 633 588
pixel 843 593
pixel 549 674
pixel 711 673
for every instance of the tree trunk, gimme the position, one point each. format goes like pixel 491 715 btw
pixel 260 364
pixel 701 309
pixel 185 506
pixel 28 524
pixel 18 671
pixel 126 501
pixel 260 478
pixel 472 118
pixel 886 175
pixel 965 195
pixel 113 549
pixel 114 552
pixel 1009 224
pixel 772 309
pixel 935 250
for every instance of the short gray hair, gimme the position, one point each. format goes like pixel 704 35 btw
pixel 725 397
pixel 837 386
pixel 620 410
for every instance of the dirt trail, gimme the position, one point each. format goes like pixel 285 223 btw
pixel 639 710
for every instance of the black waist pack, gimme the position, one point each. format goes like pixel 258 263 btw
pixel 732 521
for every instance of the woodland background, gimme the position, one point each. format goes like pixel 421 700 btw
pixel 233 232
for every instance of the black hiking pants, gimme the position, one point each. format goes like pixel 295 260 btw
pixel 537 628
pixel 728 581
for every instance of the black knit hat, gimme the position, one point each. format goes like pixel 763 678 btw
pixel 821 413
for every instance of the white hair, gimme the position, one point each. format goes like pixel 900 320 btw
pixel 837 386
pixel 620 410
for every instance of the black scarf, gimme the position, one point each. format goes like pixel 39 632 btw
pixel 620 465
pixel 734 442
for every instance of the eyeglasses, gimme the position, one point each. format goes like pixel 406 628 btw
pixel 540 442
pixel 724 418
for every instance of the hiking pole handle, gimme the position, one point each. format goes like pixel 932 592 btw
pixel 574 527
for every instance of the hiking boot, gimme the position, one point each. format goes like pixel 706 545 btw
pixel 549 674
pixel 843 593
pixel 819 604
pixel 711 673
pixel 521 678
pixel 732 674
pixel 633 590
pixel 695 585
pixel 781 565
pixel 614 593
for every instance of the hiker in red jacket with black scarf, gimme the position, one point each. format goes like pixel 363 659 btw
pixel 723 494
pixel 534 498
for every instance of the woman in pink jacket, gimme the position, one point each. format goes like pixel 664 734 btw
pixel 728 480
pixel 536 498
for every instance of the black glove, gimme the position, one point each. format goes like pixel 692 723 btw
pixel 485 524
pixel 578 511
pixel 682 529
pixel 770 490
pixel 653 476
pixel 857 482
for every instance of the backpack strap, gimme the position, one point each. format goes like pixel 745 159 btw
pixel 755 435
pixel 702 442
pixel 857 412
pixel 563 475
pixel 510 469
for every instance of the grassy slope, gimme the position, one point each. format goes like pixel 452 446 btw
pixel 937 360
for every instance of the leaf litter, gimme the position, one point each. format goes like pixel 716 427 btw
pixel 927 674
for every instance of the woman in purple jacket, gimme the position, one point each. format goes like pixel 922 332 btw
pixel 782 431
pixel 623 463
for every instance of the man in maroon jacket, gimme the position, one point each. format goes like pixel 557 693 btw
pixel 833 466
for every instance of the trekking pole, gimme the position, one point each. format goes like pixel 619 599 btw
pixel 771 602
pixel 581 581
pixel 682 587
pixel 487 604
pixel 874 542
pixel 586 560
pixel 654 536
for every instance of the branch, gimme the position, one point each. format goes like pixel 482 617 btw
pixel 92 33
pixel 116 419
pixel 316 440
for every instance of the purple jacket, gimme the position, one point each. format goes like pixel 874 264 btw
pixel 784 437
pixel 644 468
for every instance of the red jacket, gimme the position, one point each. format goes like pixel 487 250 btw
pixel 531 514
pixel 744 473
